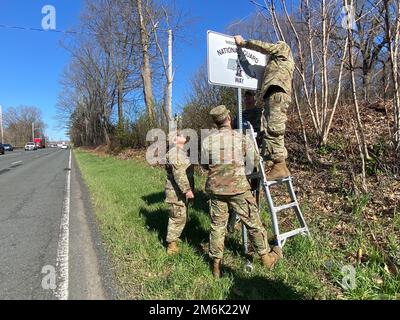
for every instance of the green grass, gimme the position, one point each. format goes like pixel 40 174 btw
pixel 128 199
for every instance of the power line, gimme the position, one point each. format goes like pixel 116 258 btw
pixel 4 26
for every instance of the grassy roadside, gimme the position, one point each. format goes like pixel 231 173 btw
pixel 128 199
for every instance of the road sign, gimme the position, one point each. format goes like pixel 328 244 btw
pixel 231 66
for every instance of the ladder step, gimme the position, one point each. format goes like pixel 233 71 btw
pixel 274 182
pixel 274 210
pixel 286 206
pixel 292 233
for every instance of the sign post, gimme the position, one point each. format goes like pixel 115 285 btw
pixel 239 117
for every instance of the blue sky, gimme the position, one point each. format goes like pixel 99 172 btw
pixel 31 62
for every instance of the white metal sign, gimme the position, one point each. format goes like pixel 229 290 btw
pixel 231 66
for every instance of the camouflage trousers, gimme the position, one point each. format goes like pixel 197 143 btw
pixel 274 126
pixel 176 221
pixel 244 205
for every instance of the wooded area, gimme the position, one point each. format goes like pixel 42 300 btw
pixel 346 54
pixel 115 86
pixel 18 123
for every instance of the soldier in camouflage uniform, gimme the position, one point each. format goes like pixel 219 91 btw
pixel 223 153
pixel 178 190
pixel 251 113
pixel 275 96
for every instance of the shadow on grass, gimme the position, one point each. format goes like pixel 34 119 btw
pixel 193 233
pixel 244 286
pixel 259 288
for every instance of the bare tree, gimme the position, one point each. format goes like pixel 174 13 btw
pixel 18 124
pixel 360 128
pixel 146 67
pixel 117 59
pixel 315 55
pixel 392 24
pixel 370 40
pixel 91 78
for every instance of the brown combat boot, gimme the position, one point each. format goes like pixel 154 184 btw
pixel 216 270
pixel 172 248
pixel 278 171
pixel 270 259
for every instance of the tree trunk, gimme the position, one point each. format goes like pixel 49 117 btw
pixel 354 92
pixel 120 94
pixel 303 129
pixel 393 41
pixel 325 83
pixel 146 67
pixel 366 82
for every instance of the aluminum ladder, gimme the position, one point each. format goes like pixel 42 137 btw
pixel 274 210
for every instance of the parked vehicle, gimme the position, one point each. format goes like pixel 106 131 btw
pixel 8 147
pixel 2 150
pixel 30 146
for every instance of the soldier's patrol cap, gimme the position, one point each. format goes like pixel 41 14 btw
pixel 219 113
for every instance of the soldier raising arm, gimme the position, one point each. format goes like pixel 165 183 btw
pixel 275 96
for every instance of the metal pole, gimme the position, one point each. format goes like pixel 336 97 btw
pixel 1 124
pixel 239 117
pixel 240 127
pixel 170 74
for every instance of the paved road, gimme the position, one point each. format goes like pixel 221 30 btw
pixel 49 243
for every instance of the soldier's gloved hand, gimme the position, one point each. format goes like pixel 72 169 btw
pixel 239 40
pixel 189 195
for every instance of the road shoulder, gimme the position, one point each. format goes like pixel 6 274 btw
pixel 91 275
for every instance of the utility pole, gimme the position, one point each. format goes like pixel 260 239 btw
pixel 169 76
pixel 1 124
pixel 33 131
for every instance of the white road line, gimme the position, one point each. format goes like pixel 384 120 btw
pixel 63 242
pixel 15 163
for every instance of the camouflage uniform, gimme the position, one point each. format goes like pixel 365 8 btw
pixel 179 181
pixel 228 187
pixel 275 95
pixel 254 116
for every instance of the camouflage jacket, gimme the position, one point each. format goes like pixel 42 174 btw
pixel 279 69
pixel 180 174
pixel 228 156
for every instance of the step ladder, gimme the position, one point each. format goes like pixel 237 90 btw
pixel 275 210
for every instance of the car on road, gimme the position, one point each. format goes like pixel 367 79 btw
pixel 64 146
pixel 8 147
pixel 30 146
pixel 2 150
